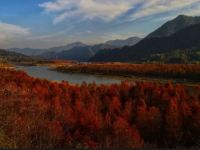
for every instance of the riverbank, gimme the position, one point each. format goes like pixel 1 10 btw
pixel 156 72
pixel 6 65
pixel 50 63
pixel 43 72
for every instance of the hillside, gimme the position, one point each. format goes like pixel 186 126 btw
pixel 184 39
pixel 13 56
pixel 76 53
pixel 174 25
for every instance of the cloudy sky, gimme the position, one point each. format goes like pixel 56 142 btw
pixel 47 23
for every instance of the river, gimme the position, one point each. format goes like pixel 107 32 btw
pixel 44 73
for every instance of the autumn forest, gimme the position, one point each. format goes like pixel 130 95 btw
pixel 37 113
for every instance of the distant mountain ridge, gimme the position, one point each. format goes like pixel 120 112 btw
pixel 66 47
pixel 182 39
pixel 35 52
pixel 127 42
pixel 77 51
pixel 12 56
pixel 27 51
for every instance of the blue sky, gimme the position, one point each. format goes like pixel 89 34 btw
pixel 47 23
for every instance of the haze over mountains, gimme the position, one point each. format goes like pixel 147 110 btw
pixel 182 33
pixel 35 52
pixel 76 51
pixel 27 51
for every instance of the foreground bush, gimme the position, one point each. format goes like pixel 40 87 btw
pixel 37 113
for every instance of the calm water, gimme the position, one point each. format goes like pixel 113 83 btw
pixel 44 73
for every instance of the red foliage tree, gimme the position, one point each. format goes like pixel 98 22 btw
pixel 40 114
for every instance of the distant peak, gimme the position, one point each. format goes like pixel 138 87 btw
pixel 134 37
pixel 172 26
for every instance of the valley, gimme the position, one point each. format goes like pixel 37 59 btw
pixel 123 93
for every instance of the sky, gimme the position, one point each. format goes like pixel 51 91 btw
pixel 48 23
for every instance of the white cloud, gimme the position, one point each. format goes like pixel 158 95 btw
pixel 87 9
pixel 153 7
pixel 8 31
pixel 11 32
pixel 109 10
pixel 193 12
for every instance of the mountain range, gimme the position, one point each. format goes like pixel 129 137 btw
pixel 176 41
pixel 181 33
pixel 76 51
